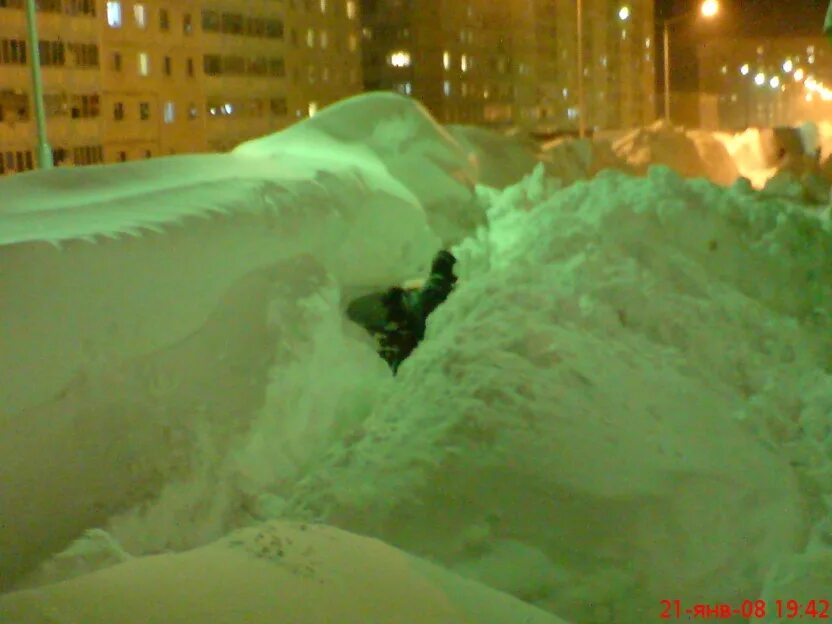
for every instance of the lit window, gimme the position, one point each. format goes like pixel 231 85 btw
pixel 624 13
pixel 446 87
pixel 647 43
pixel 760 79
pixel 310 38
pixel 168 112
pixel 724 69
pixel 463 63
pixel 351 9
pixel 114 13
pixel 313 108
pixel 140 14
pixel 325 74
pixel 352 42
pixel 788 66
pixel 324 39
pixel 745 69
pixel 810 50
pixel 193 112
pixel 144 64
pixel 446 60
pixel 400 58
pixel 811 59
pixel 323 6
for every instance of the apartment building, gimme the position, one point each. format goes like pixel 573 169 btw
pixel 130 79
pixel 501 63
pixel 764 81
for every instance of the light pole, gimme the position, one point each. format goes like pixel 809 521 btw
pixel 44 151
pixel 581 111
pixel 708 8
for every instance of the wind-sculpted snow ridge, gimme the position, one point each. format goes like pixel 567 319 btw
pixel 137 301
pixel 627 399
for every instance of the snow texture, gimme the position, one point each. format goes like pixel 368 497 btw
pixel 627 398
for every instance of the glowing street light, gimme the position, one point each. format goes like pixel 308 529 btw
pixel 624 13
pixel 745 69
pixel 799 75
pixel 760 79
pixel 788 66
pixel 708 9
pixel 774 82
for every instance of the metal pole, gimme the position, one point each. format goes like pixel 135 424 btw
pixel 44 151
pixel 581 104
pixel 666 71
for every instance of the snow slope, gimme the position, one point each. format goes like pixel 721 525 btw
pixel 277 573
pixel 138 305
pixel 628 398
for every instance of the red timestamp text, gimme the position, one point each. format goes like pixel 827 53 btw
pixel 748 610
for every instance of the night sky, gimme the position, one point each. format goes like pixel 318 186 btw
pixel 737 18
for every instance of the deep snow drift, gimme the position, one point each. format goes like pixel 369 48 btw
pixel 627 399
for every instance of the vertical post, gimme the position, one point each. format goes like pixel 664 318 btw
pixel 581 103
pixel 666 71
pixel 44 151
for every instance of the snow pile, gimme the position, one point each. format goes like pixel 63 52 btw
pixel 277 573
pixel 626 399
pixel 691 154
pixel 500 160
pixel 138 325
pixel 571 160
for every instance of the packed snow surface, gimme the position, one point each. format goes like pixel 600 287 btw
pixel 627 399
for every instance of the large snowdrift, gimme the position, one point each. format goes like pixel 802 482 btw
pixel 626 400
pixel 621 403
pixel 138 304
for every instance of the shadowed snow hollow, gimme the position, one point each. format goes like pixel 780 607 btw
pixel 615 405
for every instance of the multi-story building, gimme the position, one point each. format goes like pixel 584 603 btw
pixel 747 82
pixel 128 79
pixel 480 61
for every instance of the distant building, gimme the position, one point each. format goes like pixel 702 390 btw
pixel 747 82
pixel 126 80
pixel 488 62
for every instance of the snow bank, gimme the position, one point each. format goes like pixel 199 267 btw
pixel 500 160
pixel 620 397
pixel 138 323
pixel 277 573
pixel 691 154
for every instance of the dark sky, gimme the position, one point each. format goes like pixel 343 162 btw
pixel 737 18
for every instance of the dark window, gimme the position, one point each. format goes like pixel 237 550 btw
pixel 212 64
pixel 118 111
pixel 144 111
pixel 117 61
pixel 274 29
pixel 210 21
pixel 122 156
pixel 190 67
pixel 278 106
pixel 164 19
pixel 187 24
pixel 148 154
pixel 168 66
pixel 277 67
pixel 232 23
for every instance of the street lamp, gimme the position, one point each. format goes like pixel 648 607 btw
pixel 44 151
pixel 581 111
pixel 709 9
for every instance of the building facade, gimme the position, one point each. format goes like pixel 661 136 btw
pixel 126 80
pixel 514 63
pixel 764 82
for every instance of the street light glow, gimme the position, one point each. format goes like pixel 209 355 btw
pixel 745 69
pixel 788 66
pixel 774 82
pixel 624 13
pixel 799 75
pixel 710 8
pixel 760 79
